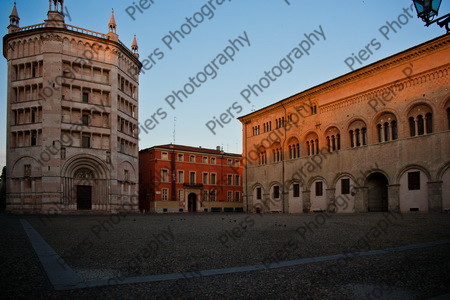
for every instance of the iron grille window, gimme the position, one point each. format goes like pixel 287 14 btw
pixel 413 181
pixel 345 186
pixel 276 192
pixel 296 189
pixel 319 188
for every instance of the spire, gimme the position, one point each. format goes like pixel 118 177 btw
pixel 112 23
pixel 14 17
pixel 135 47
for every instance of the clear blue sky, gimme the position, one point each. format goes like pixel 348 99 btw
pixel 273 28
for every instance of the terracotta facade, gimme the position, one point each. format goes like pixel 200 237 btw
pixel 376 139
pixel 175 178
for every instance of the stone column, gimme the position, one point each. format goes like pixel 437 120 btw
pixel 361 199
pixel 394 197
pixel 331 200
pixel 306 201
pixel 435 196
pixel 248 203
pixel 285 204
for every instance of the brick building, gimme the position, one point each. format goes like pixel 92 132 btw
pixel 375 139
pixel 72 117
pixel 175 178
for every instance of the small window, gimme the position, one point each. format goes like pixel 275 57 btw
pixel 85 97
pixel 237 180
pixel 165 194
pixel 296 190
pixel 413 181
pixel 229 162
pixel 33 139
pixel 205 178
pixel 230 196
pixel 213 160
pixel 27 170
pixel 237 196
pixel 86 141
pixel 164 175
pixel 258 193
pixel 448 117
pixel 164 155
pixel 180 176
pixel 180 195
pixel 205 159
pixel 213 178
pixel 192 158
pixel 345 186
pixel 33 116
pixel 192 177
pixel 205 195
pixel 85 119
pixel 213 195
pixel 126 175
pixel 276 192
pixel 180 157
pixel 230 179
pixel 319 188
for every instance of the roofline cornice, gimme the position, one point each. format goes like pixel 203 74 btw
pixel 360 74
pixel 19 34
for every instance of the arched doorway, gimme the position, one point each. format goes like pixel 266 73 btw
pixel 192 202
pixel 84 180
pixel 377 185
pixel 85 183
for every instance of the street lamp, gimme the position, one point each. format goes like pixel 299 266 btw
pixel 427 10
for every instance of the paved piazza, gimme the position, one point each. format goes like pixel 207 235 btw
pixel 354 256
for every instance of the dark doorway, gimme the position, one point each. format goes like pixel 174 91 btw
pixel 84 197
pixel 192 202
pixel 377 184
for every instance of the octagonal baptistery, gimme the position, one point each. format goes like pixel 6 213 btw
pixel 72 117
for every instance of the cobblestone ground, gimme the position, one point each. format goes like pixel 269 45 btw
pixel 104 247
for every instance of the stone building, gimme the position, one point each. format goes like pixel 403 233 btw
pixel 375 139
pixel 176 178
pixel 72 117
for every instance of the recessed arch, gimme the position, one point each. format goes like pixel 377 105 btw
pixel 409 167
pixel 85 161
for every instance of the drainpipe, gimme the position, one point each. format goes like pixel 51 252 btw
pixel 245 163
pixel 283 155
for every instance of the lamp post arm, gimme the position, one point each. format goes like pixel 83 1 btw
pixel 442 21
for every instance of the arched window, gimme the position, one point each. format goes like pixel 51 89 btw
pixel 429 122
pixel 333 139
pixel 420 125
pixel 448 117
pixel 420 120
pixel 352 141
pixel 394 130
pixel 358 134
pixel 412 126
pixel 294 148
pixel 277 154
pixel 312 144
pixel 387 127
